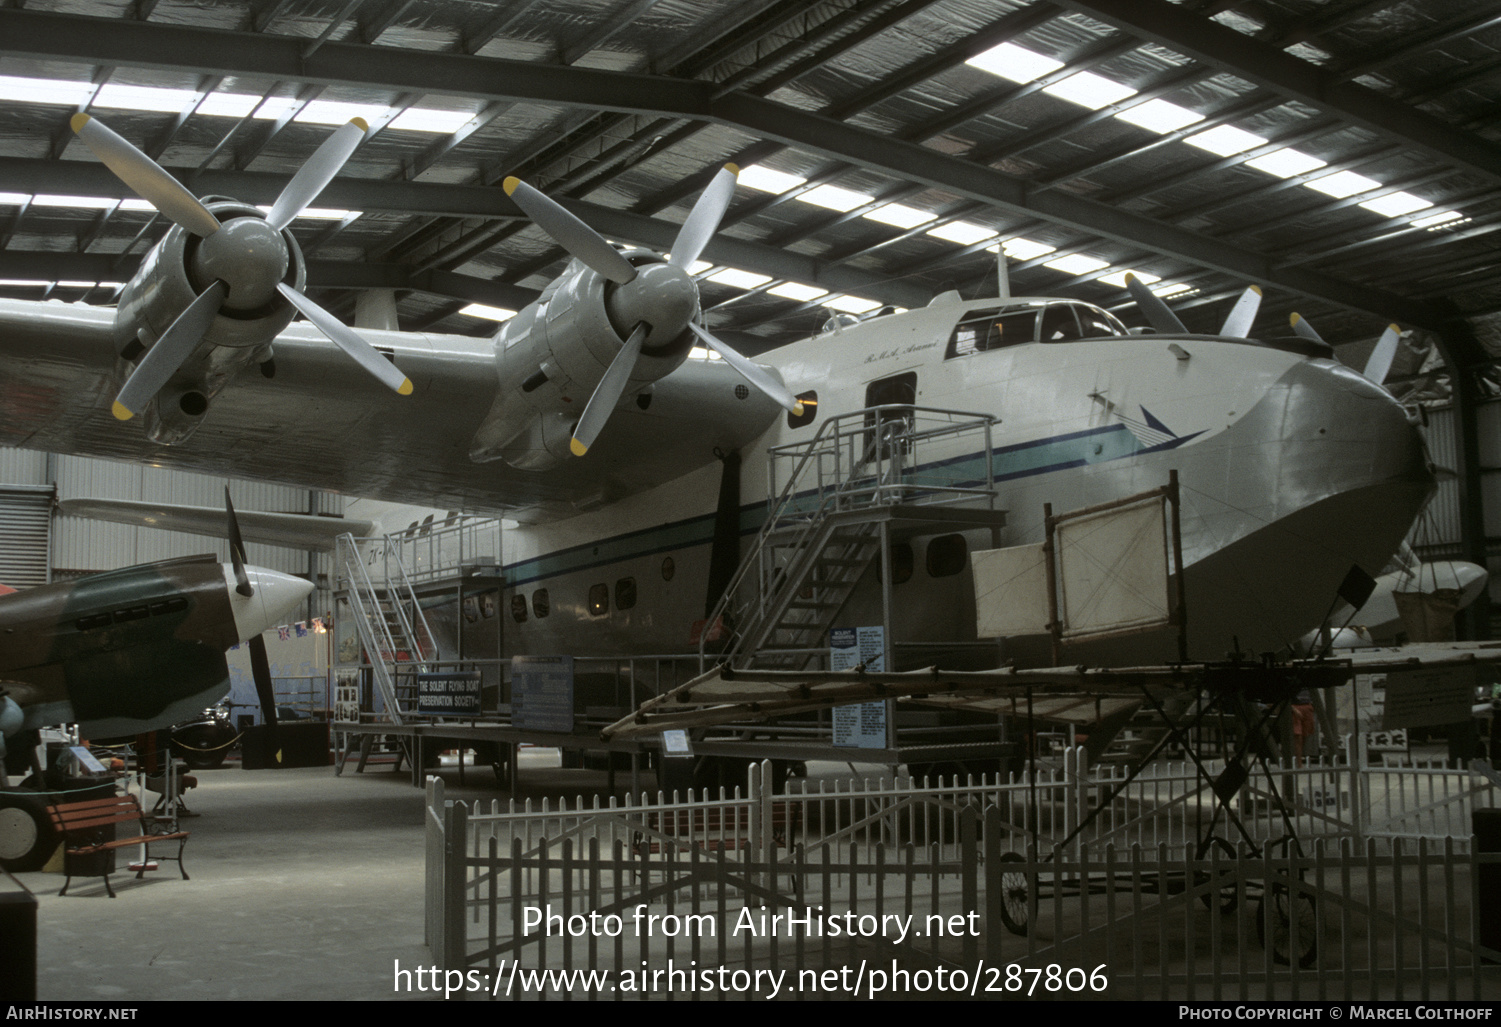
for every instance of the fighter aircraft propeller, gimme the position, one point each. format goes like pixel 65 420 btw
pixel 260 663
pixel 635 294
pixel 240 263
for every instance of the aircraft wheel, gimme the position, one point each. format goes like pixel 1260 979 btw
pixel 1018 896
pixel 1228 899
pixel 26 835
pixel 1282 908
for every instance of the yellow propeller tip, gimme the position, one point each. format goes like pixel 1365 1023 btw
pixel 121 411
pixel 405 389
pixel 797 410
pixel 364 125
pixel 1294 317
pixel 1256 289
pixel 577 447
pixel 77 121
pixel 733 169
pixel 510 184
pixel 1394 328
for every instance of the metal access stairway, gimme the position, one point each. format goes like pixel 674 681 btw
pixel 392 629
pixel 844 494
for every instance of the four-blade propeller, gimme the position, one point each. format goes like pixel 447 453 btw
pixel 594 251
pixel 260 663
pixel 243 260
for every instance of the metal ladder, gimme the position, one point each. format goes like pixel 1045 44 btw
pixel 389 620
pixel 824 531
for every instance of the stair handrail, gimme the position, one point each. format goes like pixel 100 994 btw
pixel 360 586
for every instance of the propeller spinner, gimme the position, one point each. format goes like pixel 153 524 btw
pixel 242 261
pixel 638 291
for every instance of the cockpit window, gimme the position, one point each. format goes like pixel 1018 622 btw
pixel 1065 322
pixel 985 330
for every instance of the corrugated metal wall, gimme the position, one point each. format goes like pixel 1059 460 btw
pixel 1440 526
pixel 25 531
pixel 84 545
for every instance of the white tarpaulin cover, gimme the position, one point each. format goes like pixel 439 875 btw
pixel 1113 570
pixel 1011 591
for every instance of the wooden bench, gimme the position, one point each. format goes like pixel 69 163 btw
pixel 82 826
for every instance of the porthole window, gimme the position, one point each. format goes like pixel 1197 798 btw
pixel 809 401
pixel 540 606
pixel 946 555
pixel 668 568
pixel 599 600
pixel 518 608
pixel 625 593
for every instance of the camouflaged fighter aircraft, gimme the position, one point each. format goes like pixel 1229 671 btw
pixel 125 652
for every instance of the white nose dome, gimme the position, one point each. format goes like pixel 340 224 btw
pixel 276 595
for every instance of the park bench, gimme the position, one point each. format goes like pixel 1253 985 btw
pixel 87 829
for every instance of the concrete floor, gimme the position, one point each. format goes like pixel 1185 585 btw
pixel 303 886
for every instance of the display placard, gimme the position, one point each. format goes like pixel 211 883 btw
pixel 1428 697
pixel 542 693
pixel 450 694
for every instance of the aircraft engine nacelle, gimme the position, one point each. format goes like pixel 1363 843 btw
pixel 552 355
pixel 248 255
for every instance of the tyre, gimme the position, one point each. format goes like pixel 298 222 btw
pixel 1018 896
pixel 1227 897
pixel 1282 909
pixel 26 835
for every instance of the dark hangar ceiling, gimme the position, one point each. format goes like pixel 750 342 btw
pixel 1342 154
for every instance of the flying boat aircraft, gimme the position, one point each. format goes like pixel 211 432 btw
pixel 627 461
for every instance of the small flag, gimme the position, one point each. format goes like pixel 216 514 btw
pixel 301 629
pixel 284 633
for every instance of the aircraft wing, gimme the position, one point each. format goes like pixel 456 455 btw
pixel 321 423
pixel 295 531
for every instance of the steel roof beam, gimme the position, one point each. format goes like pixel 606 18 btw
pixel 1266 65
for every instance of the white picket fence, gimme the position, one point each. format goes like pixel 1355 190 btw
pixel 1380 880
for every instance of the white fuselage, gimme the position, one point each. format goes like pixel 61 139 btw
pixel 1293 468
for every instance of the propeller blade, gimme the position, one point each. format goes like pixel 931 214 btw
pixel 570 233
pixel 703 219
pixel 1243 314
pixel 260 669
pixel 607 393
pixel 148 178
pixel 1157 313
pixel 237 549
pixel 1304 329
pixel 313 177
pixel 751 372
pixel 169 352
pixel 1380 363
pixel 360 351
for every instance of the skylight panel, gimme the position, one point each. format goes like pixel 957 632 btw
pixel 852 304
pixel 487 312
pixel 1077 264
pixel 1018 248
pixel 43 90
pixel 13 199
pixel 137 204
pixel 900 215
pixel 22 283
pixel 1089 90
pixel 1118 278
pixel 767 180
pixel 1225 140
pixel 698 267
pixel 1394 205
pixel 739 279
pixel 1343 183
pixel 330 112
pixel 1160 116
pixel 834 198
pixel 423 119
pixel 144 98
pixel 963 233
pixel 797 291
pixel 228 105
pixel 317 213
pixel 1174 289
pixel 1286 162
pixel 86 202
pixel 1013 62
pixel 1441 218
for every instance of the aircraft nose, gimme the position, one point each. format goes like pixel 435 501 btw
pixel 276 595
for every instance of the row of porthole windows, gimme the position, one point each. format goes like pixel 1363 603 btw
pixel 599 600
pixel 946 556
